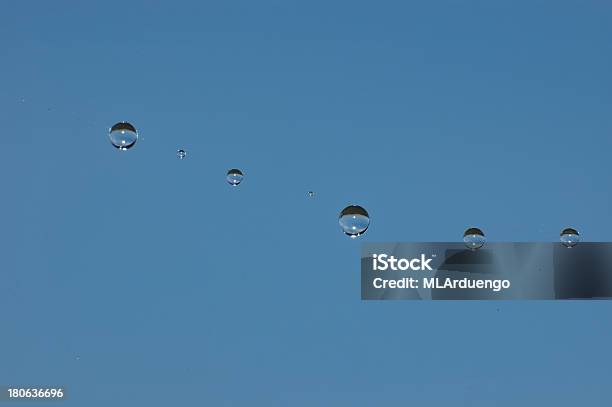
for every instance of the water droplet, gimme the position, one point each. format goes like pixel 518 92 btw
pixel 234 177
pixel 123 135
pixel 354 220
pixel 311 194
pixel 181 154
pixel 474 239
pixel 570 237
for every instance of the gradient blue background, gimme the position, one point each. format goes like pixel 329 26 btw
pixel 133 278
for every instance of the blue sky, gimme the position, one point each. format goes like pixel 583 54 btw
pixel 134 278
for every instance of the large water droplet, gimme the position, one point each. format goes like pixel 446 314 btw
pixel 474 239
pixel 234 177
pixel 354 220
pixel 570 237
pixel 123 135
pixel 181 154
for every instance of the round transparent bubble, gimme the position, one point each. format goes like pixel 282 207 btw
pixel 570 238
pixel 474 239
pixel 234 177
pixel 354 221
pixel 181 154
pixel 123 135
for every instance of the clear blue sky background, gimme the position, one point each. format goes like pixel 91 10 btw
pixel 133 278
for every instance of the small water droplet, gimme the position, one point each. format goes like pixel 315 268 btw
pixel 474 239
pixel 311 194
pixel 123 136
pixel 234 177
pixel 569 237
pixel 181 154
pixel 354 220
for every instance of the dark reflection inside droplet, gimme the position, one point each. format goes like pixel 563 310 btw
pixel 234 177
pixel 569 237
pixel 123 135
pixel 354 220
pixel 474 238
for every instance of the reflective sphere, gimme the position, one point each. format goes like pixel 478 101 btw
pixel 354 220
pixel 474 239
pixel 123 135
pixel 569 237
pixel 234 177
